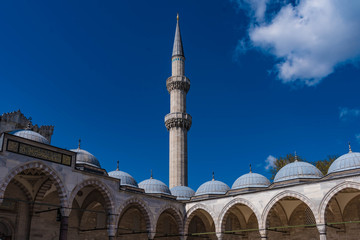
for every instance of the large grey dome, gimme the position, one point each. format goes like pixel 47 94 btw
pixel 84 157
pixel 251 180
pixel 212 187
pixel 182 192
pixel 297 170
pixel 154 186
pixel 347 161
pixel 28 134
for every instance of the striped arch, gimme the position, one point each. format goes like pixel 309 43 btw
pixel 98 185
pixel 331 193
pixel 282 195
pixel 174 212
pixel 191 212
pixel 225 211
pixel 137 202
pixel 41 166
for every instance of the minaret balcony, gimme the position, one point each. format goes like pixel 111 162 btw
pixel 178 119
pixel 178 82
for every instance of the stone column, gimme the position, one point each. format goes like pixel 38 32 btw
pixel 219 236
pixel 111 224
pixel 64 223
pixel 263 234
pixel 322 231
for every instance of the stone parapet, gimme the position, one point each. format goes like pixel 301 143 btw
pixel 178 119
pixel 178 82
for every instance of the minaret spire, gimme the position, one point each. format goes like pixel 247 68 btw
pixel 178 47
pixel 178 122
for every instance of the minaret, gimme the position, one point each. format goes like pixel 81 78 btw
pixel 178 122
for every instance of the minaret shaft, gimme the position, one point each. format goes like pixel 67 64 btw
pixel 178 122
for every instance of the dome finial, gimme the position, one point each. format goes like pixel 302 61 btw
pixel 117 165
pixel 250 168
pixel 349 148
pixel 213 176
pixel 79 143
pixel 296 159
pixel 28 127
pixel 151 176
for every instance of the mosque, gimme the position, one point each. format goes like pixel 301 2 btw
pixel 48 192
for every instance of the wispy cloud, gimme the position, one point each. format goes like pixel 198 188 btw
pixel 357 136
pixel 348 113
pixel 309 39
pixel 270 162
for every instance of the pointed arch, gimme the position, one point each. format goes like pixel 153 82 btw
pixel 98 185
pixel 225 211
pixel 137 202
pixel 41 166
pixel 174 212
pixel 281 195
pixel 331 193
pixel 191 212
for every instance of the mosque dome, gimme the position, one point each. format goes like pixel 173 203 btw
pixel 84 157
pixel 212 187
pixel 297 170
pixel 182 192
pixel 152 185
pixel 251 180
pixel 28 134
pixel 125 178
pixel 347 161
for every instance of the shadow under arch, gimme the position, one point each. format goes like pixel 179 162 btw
pixel 226 211
pixel 175 213
pixel 98 185
pixel 42 167
pixel 139 205
pixel 331 193
pixel 203 213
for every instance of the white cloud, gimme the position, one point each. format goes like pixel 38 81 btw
pixel 348 113
pixel 309 39
pixel 357 136
pixel 270 162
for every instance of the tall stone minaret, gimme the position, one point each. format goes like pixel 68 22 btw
pixel 178 122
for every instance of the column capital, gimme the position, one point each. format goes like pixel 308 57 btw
pixel 178 82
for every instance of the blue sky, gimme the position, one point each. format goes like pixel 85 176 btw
pixel 267 78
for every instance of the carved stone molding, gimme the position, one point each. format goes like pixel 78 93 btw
pixel 182 120
pixel 178 82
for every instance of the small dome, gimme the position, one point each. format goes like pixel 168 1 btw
pixel 125 178
pixel 84 157
pixel 28 134
pixel 296 170
pixel 251 180
pixel 154 186
pixel 347 161
pixel 182 192
pixel 212 187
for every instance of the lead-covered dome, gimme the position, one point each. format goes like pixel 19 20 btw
pixel 84 157
pixel 28 134
pixel 297 170
pixel 212 187
pixel 347 161
pixel 182 192
pixel 251 180
pixel 154 186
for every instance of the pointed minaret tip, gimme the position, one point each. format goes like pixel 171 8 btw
pixel 178 47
